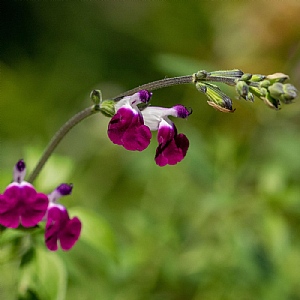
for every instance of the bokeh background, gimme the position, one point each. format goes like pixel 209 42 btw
pixel 222 224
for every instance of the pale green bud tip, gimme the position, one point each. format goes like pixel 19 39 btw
pixel 217 98
pixel 283 92
pixel 277 77
pixel 107 108
pixel 242 89
pixel 96 97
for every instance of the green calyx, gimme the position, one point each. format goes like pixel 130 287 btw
pixel 107 108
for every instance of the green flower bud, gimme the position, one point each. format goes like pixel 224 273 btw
pixel 246 77
pixel 290 93
pixel 257 77
pixel 265 83
pixel 271 102
pixel 242 88
pixel 107 108
pixel 243 91
pixel 284 92
pixel 276 90
pixel 200 75
pixel 217 98
pixel 277 77
pixel 96 97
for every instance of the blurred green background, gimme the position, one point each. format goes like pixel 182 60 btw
pixel 222 224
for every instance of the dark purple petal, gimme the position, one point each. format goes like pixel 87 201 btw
pixel 144 96
pixel 173 151
pixel 166 133
pixel 182 111
pixel 137 136
pixel 22 204
pixel 127 128
pixel 55 220
pixel 119 123
pixel 64 189
pixel 70 234
pixel 19 171
pixel 20 165
pixel 59 227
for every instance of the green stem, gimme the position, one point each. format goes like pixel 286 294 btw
pixel 155 85
pixel 92 110
pixel 58 137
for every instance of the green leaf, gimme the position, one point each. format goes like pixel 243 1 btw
pixel 44 276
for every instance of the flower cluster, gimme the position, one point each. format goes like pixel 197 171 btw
pixel 272 89
pixel 21 204
pixel 131 127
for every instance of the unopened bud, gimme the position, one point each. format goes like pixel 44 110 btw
pixel 96 97
pixel 257 77
pixel 217 98
pixel 277 77
pixel 107 108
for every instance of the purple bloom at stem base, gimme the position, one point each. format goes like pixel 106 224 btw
pixel 61 228
pixel 20 203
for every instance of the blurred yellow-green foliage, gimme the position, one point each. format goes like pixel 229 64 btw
pixel 222 224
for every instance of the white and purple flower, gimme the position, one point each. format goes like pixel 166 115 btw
pixel 127 127
pixel 172 147
pixel 59 226
pixel 20 204
pixel 131 128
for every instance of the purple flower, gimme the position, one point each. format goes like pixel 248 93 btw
pixel 59 226
pixel 127 127
pixel 131 128
pixel 20 203
pixel 172 147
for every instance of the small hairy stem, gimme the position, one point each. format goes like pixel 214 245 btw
pixel 155 85
pixel 58 137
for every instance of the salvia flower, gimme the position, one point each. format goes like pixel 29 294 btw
pixel 59 226
pixel 172 147
pixel 21 204
pixel 127 127
pixel 131 127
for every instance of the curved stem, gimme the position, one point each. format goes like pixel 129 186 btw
pixel 94 109
pixel 58 137
pixel 158 84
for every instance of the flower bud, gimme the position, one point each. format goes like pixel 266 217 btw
pixel 283 92
pixel 217 98
pixel 242 89
pixel 278 77
pixel 107 108
pixel 246 77
pixel 257 77
pixel 96 97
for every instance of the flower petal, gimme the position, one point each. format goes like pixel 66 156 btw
pixel 55 220
pixel 20 203
pixel 119 124
pixel 173 151
pixel 127 128
pixel 137 136
pixel 70 234
pixel 59 227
